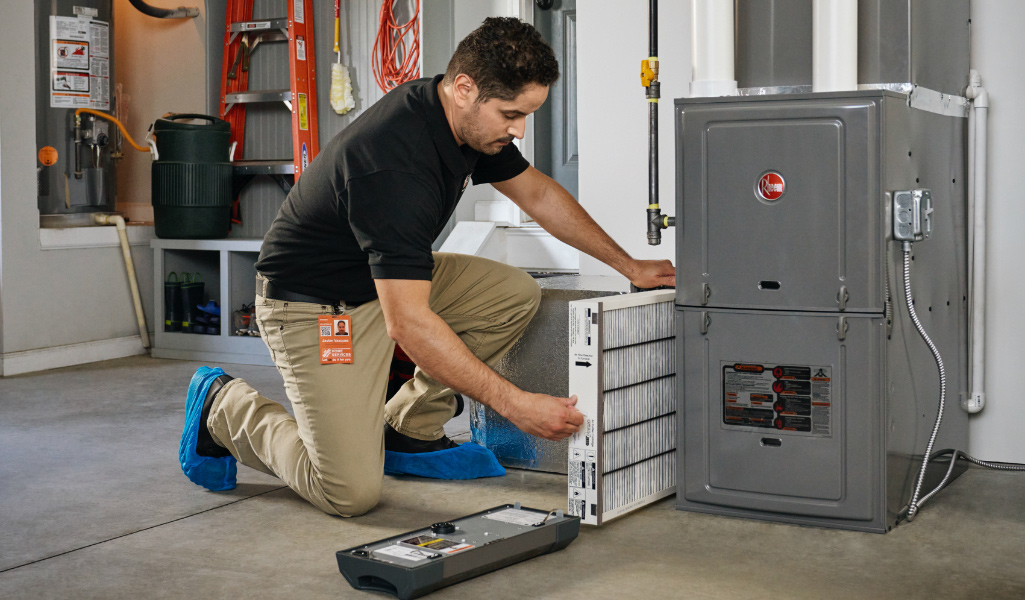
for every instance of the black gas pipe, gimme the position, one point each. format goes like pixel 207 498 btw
pixel 649 79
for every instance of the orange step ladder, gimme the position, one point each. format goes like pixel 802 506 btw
pixel 242 35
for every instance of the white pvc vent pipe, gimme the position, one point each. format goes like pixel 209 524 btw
pixel 133 282
pixel 834 45
pixel 712 52
pixel 977 201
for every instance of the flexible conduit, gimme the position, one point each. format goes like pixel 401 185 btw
pixel 913 507
pixel 929 456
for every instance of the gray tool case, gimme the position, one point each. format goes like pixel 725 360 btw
pixel 419 562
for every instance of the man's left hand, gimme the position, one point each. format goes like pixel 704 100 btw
pixel 647 274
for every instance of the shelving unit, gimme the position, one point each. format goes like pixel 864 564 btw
pixel 228 269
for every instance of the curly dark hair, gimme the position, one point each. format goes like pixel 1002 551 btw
pixel 502 56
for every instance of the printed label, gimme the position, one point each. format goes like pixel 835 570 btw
pixel 517 517
pixel 436 543
pixel 584 383
pixel 335 339
pixel 300 48
pixel 304 122
pixel 298 12
pixel 79 63
pixel 792 398
pixel 71 55
pixel 405 552
pixel 69 81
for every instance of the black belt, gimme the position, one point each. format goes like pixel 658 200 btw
pixel 267 289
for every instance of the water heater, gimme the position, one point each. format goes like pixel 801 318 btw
pixel 74 69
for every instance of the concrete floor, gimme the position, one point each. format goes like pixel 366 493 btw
pixel 93 505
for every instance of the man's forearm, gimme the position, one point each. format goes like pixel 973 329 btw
pixel 436 349
pixel 558 212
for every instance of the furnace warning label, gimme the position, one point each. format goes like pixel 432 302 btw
pixel 794 398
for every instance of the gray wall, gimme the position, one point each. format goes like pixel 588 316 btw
pixel 997 48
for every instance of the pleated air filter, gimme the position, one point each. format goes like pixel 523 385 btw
pixel 622 368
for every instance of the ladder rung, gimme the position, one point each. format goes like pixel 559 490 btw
pixel 263 25
pixel 284 166
pixel 258 96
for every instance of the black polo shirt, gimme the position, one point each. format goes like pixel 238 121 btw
pixel 373 201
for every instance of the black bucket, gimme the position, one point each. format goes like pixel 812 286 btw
pixel 191 179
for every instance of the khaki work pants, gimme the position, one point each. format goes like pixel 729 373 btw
pixel 332 452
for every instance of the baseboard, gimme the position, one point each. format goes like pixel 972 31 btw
pixel 29 361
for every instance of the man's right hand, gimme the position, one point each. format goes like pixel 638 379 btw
pixel 545 416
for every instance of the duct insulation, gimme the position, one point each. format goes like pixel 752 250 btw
pixel 622 357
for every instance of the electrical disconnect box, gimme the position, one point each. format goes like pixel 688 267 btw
pixel 806 395
pixel 912 215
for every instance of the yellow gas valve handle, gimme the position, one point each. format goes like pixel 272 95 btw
pixel 649 71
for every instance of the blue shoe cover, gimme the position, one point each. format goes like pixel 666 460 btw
pixel 467 461
pixel 215 474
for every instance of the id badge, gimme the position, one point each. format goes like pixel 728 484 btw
pixel 335 339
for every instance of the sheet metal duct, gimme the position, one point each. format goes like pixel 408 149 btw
pixel 920 42
pixel 537 363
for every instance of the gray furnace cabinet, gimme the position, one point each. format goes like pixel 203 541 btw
pixel 807 396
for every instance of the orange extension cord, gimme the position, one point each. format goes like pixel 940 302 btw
pixel 391 47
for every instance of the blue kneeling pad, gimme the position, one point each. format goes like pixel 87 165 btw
pixel 215 474
pixel 467 461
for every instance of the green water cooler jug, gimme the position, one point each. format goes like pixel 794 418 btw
pixel 191 178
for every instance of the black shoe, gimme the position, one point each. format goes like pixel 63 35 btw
pixel 397 442
pixel 205 444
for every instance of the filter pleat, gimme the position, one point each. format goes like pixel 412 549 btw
pixel 639 442
pixel 633 364
pixel 639 481
pixel 639 402
pixel 636 324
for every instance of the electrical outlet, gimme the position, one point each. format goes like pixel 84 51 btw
pixel 912 215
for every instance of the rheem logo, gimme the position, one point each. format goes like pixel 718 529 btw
pixel 770 186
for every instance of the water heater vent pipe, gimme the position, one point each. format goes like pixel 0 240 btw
pixel 712 52
pixel 834 45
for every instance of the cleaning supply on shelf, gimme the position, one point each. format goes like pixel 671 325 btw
pixel 172 303
pixel 193 291
pixel 341 85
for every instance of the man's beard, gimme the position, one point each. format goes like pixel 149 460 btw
pixel 475 137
